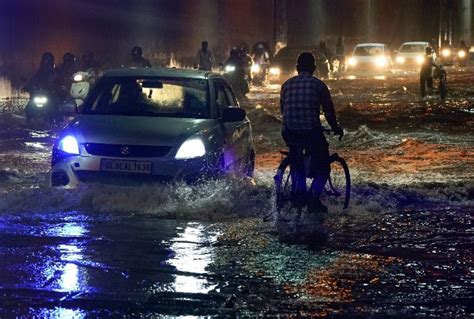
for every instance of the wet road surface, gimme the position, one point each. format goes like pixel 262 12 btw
pixel 404 248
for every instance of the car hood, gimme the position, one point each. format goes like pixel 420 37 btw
pixel 137 130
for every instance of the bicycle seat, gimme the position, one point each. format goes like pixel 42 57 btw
pixel 285 152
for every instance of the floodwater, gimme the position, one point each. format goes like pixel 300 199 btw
pixel 403 248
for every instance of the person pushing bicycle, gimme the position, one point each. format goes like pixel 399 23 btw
pixel 300 100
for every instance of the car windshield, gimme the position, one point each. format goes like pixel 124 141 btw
pixel 413 48
pixel 170 97
pixel 368 50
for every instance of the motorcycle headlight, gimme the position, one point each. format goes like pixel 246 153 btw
pixel 68 144
pixel 381 61
pixel 255 68
pixel 274 71
pixel 352 61
pixel 462 54
pixel 230 68
pixel 78 78
pixel 420 59
pixel 446 52
pixel 191 148
pixel 400 60
pixel 40 100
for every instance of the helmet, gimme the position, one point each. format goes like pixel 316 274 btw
pixel 88 56
pixel 47 59
pixel 137 52
pixel 68 58
pixel 428 50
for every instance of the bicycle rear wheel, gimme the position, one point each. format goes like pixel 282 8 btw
pixel 283 184
pixel 338 186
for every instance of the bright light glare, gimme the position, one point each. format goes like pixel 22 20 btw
pixel 69 145
pixel 255 68
pixel 40 100
pixel 352 61
pixel 446 52
pixel 78 77
pixel 462 54
pixel 230 68
pixel 400 59
pixel 381 61
pixel 190 149
pixel 420 59
pixel 274 71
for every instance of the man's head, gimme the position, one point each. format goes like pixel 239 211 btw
pixel 305 63
pixel 204 45
pixel 47 60
pixel 68 58
pixel 136 52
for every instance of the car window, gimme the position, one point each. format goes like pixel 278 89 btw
pixel 149 97
pixel 230 96
pixel 222 100
pixel 368 51
pixel 413 48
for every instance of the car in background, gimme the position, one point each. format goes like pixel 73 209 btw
pixel 283 65
pixel 411 55
pixel 372 58
pixel 144 125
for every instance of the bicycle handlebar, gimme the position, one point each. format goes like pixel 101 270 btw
pixel 329 131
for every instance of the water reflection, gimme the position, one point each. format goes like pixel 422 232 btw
pixel 61 313
pixel 193 253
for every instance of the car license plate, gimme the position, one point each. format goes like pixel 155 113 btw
pixel 140 167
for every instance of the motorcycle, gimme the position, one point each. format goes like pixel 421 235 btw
pixel 259 73
pixel 43 105
pixel 322 66
pixel 235 75
pixel 442 77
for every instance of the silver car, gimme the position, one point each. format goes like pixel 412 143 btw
pixel 145 125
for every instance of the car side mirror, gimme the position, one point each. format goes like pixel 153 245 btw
pixel 69 107
pixel 233 114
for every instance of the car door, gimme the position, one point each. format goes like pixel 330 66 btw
pixel 230 129
pixel 242 130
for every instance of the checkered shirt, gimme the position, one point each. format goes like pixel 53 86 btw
pixel 300 101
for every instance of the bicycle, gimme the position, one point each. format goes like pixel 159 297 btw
pixel 337 188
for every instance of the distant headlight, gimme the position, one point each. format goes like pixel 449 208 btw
pixel 191 148
pixel 420 59
pixel 78 78
pixel 230 68
pixel 446 53
pixel 352 61
pixel 400 60
pixel 69 145
pixel 275 71
pixel 462 54
pixel 255 68
pixel 40 100
pixel 381 61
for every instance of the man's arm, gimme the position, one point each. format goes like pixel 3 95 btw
pixel 282 97
pixel 328 107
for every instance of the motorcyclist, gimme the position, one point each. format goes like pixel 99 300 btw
pixel 300 100
pixel 46 78
pixel 66 71
pixel 237 75
pixel 260 54
pixel 204 59
pixel 341 52
pixel 89 64
pixel 426 73
pixel 247 61
pixel 137 60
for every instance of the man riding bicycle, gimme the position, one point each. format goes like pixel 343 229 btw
pixel 300 100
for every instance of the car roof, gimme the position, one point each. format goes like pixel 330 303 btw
pixel 371 45
pixel 415 42
pixel 160 72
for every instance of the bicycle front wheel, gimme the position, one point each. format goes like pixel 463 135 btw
pixel 338 186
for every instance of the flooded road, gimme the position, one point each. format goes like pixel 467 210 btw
pixel 403 248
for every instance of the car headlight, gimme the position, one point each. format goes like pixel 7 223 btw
pixel 420 59
pixel 230 68
pixel 462 54
pixel 40 100
pixel 352 61
pixel 446 52
pixel 255 68
pixel 191 148
pixel 381 61
pixel 400 60
pixel 68 144
pixel 274 71
pixel 78 78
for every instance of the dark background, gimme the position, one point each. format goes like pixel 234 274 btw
pixel 169 29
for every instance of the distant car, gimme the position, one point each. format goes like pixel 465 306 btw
pixel 283 65
pixel 370 58
pixel 411 55
pixel 144 125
